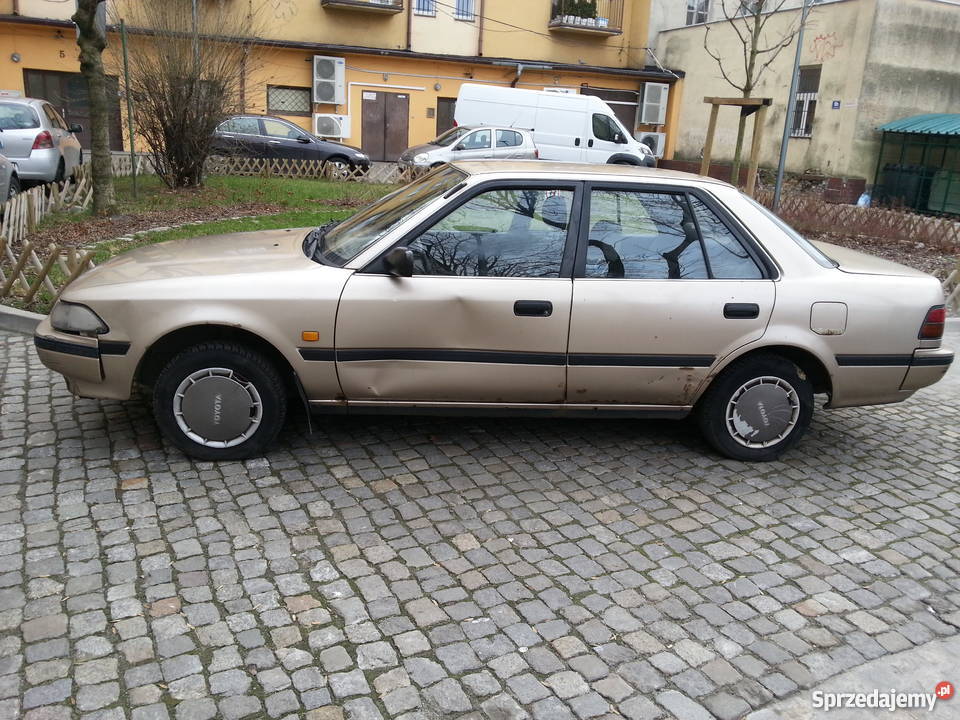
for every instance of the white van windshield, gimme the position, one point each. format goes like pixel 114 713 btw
pixel 450 136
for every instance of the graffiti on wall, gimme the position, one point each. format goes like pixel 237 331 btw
pixel 826 46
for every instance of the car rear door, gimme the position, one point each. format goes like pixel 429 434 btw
pixel 509 145
pixel 239 136
pixel 665 285
pixel 485 317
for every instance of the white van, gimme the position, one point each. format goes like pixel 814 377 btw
pixel 572 128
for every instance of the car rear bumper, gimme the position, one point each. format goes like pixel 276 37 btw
pixel 926 368
pixel 39 165
pixel 92 367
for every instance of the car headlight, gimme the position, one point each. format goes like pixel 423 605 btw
pixel 76 319
pixel 420 159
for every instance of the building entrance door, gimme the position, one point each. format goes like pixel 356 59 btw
pixel 67 92
pixel 386 119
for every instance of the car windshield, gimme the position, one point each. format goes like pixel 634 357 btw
pixel 354 235
pixel 450 136
pixel 808 247
pixel 14 116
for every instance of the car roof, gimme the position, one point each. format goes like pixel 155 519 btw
pixel 549 169
pixel 23 100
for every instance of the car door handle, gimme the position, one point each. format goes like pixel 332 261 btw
pixel 590 143
pixel 533 308
pixel 741 311
pixel 274 142
pixel 577 142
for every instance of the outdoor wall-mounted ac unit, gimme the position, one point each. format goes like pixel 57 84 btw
pixel 653 140
pixel 329 87
pixel 331 126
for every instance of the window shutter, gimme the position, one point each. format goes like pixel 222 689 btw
pixel 654 103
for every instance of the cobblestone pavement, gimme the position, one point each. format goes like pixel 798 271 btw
pixel 397 567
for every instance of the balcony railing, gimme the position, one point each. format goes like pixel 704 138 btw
pixel 599 17
pixel 377 6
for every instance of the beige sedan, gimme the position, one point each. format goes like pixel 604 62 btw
pixel 513 287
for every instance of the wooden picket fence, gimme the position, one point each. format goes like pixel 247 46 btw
pixel 27 269
pixel 383 173
pixel 808 212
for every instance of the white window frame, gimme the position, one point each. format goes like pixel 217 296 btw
pixel 467 13
pixel 700 10
pixel 427 8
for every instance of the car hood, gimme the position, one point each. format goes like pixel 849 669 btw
pixel 260 251
pixel 853 261
pixel 417 149
pixel 341 145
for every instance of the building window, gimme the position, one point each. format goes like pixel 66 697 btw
pixel 283 100
pixel 750 7
pixel 697 11
pixel 805 104
pixel 425 7
pixel 464 10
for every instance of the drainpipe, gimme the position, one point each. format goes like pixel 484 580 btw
pixel 410 25
pixel 16 7
pixel 480 32
pixel 516 80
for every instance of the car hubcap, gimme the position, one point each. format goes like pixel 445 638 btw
pixel 217 407
pixel 762 412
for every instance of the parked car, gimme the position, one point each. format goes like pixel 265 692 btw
pixel 38 140
pixel 9 182
pixel 510 287
pixel 567 127
pixel 262 136
pixel 472 143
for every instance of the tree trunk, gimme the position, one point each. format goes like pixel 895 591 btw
pixel 737 151
pixel 92 44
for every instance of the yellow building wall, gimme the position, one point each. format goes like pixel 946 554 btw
pixel 443 34
pixel 40 48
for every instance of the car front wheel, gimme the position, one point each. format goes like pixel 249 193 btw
pixel 219 401
pixel 757 408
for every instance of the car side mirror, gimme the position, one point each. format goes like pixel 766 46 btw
pixel 619 138
pixel 304 139
pixel 399 262
pixel 459 147
pixel 76 128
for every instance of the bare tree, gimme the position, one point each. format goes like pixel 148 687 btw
pixel 91 38
pixel 748 19
pixel 187 70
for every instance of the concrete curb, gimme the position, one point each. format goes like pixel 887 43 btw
pixel 19 321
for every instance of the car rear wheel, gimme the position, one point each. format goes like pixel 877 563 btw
pixel 14 187
pixel 758 408
pixel 219 401
pixel 61 172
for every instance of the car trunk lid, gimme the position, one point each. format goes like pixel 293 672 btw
pixel 853 261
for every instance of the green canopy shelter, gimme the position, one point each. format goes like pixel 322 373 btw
pixel 919 163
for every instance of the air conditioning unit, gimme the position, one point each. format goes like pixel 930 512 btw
pixel 654 140
pixel 331 126
pixel 329 87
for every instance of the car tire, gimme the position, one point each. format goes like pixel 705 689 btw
pixel 757 409
pixel 61 172
pixel 220 401
pixel 338 168
pixel 13 188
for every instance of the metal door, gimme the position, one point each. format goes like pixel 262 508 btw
pixel 385 124
pixel 67 92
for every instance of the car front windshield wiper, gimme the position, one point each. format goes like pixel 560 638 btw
pixel 313 243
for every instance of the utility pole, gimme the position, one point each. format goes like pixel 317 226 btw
pixel 788 115
pixel 196 41
pixel 126 86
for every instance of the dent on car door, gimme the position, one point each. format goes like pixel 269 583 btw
pixel 664 288
pixel 485 316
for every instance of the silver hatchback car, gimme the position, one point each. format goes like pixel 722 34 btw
pixel 472 143
pixel 36 138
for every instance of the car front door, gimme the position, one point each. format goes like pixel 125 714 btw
pixel 483 319
pixel 606 139
pixel 284 140
pixel 665 285
pixel 474 146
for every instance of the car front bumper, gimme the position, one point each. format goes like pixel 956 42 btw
pixel 39 165
pixel 92 367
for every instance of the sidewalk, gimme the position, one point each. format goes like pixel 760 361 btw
pixel 912 671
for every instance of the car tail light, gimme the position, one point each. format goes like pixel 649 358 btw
pixel 932 328
pixel 536 153
pixel 43 141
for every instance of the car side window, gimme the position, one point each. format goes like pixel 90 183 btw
pixel 479 140
pixel 508 138
pixel 728 258
pixel 604 128
pixel 240 125
pixel 53 117
pixel 277 129
pixel 642 235
pixel 511 232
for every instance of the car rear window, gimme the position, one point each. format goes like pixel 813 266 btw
pixel 14 116
pixel 808 247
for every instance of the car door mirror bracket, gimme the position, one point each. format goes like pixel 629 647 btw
pixel 399 262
